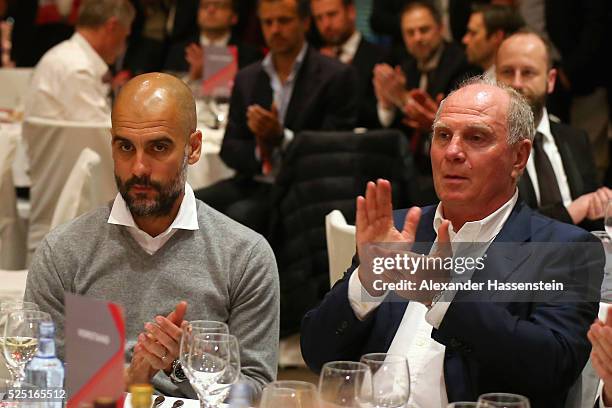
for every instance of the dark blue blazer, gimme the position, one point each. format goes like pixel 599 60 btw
pixel 537 349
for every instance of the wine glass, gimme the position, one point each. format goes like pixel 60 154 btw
pixel 5 308
pixel 502 400
pixel 345 384
pixel 462 404
pixel 289 394
pixel 21 335
pixel 390 379
pixel 192 328
pixel 214 364
pixel 608 219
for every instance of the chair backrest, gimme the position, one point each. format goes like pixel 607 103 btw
pixel 15 82
pixel 11 233
pixel 584 391
pixel 80 193
pixel 321 172
pixel 340 244
pixel 53 148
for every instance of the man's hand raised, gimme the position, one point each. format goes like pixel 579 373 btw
pixel 378 238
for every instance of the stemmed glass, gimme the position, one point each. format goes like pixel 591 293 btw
pixel 502 400
pixel 390 379
pixel 21 335
pixel 219 105
pixel 189 330
pixel 5 308
pixel 289 394
pixel 345 384
pixel 213 362
pixel 608 219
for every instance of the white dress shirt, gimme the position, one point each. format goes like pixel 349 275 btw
pixel 413 337
pixel 186 219
pixel 219 42
pixel 349 48
pixel 550 147
pixel 68 84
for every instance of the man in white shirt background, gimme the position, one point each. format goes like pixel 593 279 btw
pixel 72 80
pixel 562 182
pixel 458 349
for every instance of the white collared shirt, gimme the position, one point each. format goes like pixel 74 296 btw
pixel 413 337
pixel 68 84
pixel 600 397
pixel 186 219
pixel 219 42
pixel 550 147
pixel 281 95
pixel 349 48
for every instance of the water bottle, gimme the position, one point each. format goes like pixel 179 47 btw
pixel 46 371
pixel 240 396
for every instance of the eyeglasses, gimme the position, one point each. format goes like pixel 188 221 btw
pixel 218 4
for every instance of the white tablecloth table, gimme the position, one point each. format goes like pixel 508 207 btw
pixel 188 403
pixel 210 168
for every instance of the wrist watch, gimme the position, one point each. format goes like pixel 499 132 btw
pixel 177 375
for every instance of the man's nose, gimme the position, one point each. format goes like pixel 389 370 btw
pixel 517 81
pixel 454 150
pixel 141 166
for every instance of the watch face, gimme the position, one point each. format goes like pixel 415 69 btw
pixel 179 373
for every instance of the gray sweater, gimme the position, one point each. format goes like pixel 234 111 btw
pixel 224 271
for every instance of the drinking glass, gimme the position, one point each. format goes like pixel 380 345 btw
pixel 197 327
pixel 390 379
pixel 608 219
pixel 502 400
pixel 21 335
pixel 5 308
pixel 214 364
pixel 345 384
pixel 289 394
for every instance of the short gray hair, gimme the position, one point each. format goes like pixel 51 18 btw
pixel 521 124
pixel 94 13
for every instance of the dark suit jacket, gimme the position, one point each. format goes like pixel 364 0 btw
pixel 579 166
pixel 366 57
pixel 324 98
pixel 534 349
pixel 385 17
pixel 451 70
pixel 175 58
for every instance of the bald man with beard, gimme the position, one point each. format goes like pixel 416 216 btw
pixel 156 245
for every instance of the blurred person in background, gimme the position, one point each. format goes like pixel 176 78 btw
pixel 561 180
pixel 73 81
pixel 335 21
pixel 293 88
pixel 487 28
pixel 216 18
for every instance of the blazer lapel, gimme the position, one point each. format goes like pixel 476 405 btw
pixel 508 251
pixel 306 75
pixel 262 94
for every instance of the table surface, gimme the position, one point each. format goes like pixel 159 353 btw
pixel 168 402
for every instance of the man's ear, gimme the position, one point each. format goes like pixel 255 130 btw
pixel 194 147
pixel 522 152
pixel 551 79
